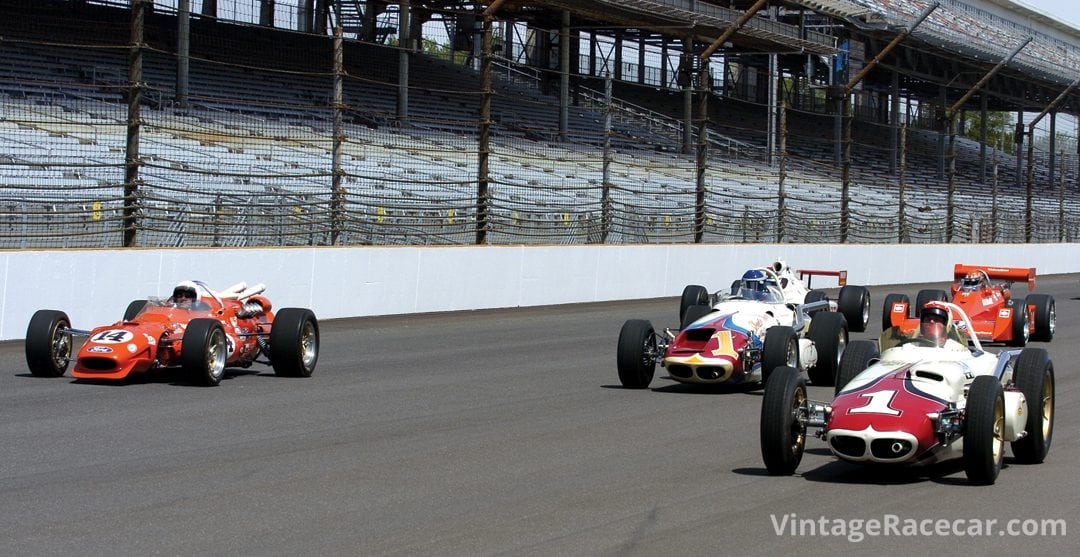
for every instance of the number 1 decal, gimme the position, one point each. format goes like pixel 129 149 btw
pixel 878 404
pixel 725 347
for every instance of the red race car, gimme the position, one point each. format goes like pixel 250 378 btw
pixel 197 330
pixel 995 314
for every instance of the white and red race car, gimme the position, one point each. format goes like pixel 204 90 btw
pixel 918 401
pixel 794 287
pixel 739 337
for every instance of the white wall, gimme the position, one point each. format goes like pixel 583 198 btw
pixel 94 286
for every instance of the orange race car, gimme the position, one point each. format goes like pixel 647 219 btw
pixel 995 314
pixel 197 330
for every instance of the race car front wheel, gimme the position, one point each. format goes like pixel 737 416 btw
pixel 203 352
pixel 984 439
pixel 48 343
pixel 636 356
pixel 783 433
pixel 858 356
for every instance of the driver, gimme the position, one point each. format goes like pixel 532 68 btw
pixel 185 295
pixel 971 281
pixel 934 324
pixel 756 285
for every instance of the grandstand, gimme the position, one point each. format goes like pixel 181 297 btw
pixel 255 148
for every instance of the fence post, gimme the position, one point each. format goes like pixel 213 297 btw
pixel 782 175
pixel 605 194
pixel 337 195
pixel 702 151
pixel 134 123
pixel 483 150
pixel 901 217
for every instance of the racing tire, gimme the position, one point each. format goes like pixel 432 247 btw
pixel 815 296
pixel 783 436
pixel 133 309
pixel 204 352
pixel 1045 316
pixel 829 332
pixel 636 356
pixel 294 342
pixel 1033 375
pixel 48 343
pixel 1021 325
pixel 854 303
pixel 692 295
pixel 859 355
pixel 781 348
pixel 693 313
pixel 929 295
pixel 984 439
pixel 886 310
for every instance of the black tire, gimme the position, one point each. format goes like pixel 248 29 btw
pixel 294 342
pixel 204 352
pixel 693 313
pixel 783 436
pixel 781 349
pixel 692 295
pixel 48 343
pixel 815 296
pixel 886 310
pixel 1021 329
pixel 984 441
pixel 929 295
pixel 1033 374
pixel 854 303
pixel 858 356
pixel 133 309
pixel 829 332
pixel 1045 316
pixel 636 356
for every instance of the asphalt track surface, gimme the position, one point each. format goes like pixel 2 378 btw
pixel 484 433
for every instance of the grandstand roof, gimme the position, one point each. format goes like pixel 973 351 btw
pixel 958 44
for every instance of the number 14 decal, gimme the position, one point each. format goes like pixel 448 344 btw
pixel 878 404
pixel 112 336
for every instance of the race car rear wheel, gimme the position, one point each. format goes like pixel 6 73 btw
pixel 984 440
pixel 1034 376
pixel 48 343
pixel 886 310
pixel 133 309
pixel 204 351
pixel 693 313
pixel 829 332
pixel 692 295
pixel 854 303
pixel 781 348
pixel 815 296
pixel 1045 316
pixel 636 356
pixel 1021 324
pixel 929 295
pixel 783 432
pixel 294 342
pixel 858 355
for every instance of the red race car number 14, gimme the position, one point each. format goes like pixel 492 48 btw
pixel 112 336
